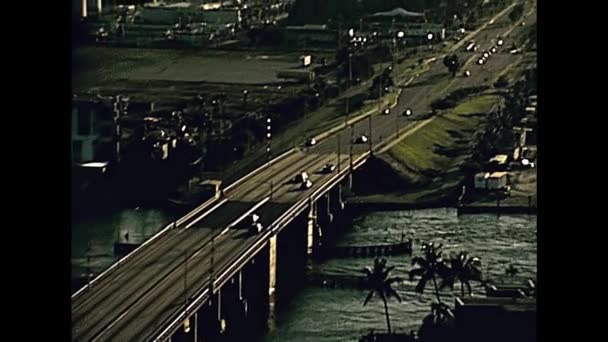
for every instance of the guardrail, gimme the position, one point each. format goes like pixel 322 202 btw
pixel 136 251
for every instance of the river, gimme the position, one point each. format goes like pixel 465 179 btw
pixel 327 314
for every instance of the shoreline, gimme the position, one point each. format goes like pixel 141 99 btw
pixel 363 206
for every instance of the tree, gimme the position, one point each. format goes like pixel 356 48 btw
pixel 436 325
pixel 380 282
pixel 430 266
pixel 462 268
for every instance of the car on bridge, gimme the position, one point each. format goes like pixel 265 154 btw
pixel 256 228
pixel 306 184
pixel 471 46
pixel 329 168
pixel 362 139
pixel 301 177
pixel 311 142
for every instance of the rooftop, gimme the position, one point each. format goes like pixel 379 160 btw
pixel 499 158
pixel 498 174
pixel 509 304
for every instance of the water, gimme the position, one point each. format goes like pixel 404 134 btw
pixel 323 314
pixel 100 230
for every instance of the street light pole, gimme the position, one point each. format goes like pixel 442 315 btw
pixel 338 152
pixel 269 138
pixel 350 83
pixel 89 264
pixel 397 123
pixel 370 133
pixel 352 141
pixel 185 280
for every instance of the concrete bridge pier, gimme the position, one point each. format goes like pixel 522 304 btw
pixel 291 258
pixel 231 313
pixel 181 335
pixel 255 290
pixel 236 310
pixel 324 216
pixel 313 228
pixel 337 204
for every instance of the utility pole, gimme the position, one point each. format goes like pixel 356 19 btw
pixel 370 133
pixel 185 281
pixel 338 152
pixel 352 141
pixel 397 123
pixel 269 139
pixel 380 79
pixel 211 268
pixel 350 83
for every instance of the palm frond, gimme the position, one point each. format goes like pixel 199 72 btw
pixel 393 280
pixel 416 272
pixel 421 285
pixel 392 293
pixel 369 297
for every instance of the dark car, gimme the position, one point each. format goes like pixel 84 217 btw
pixel 362 139
pixel 329 168
pixel 306 184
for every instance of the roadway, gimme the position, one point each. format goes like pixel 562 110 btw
pixel 136 299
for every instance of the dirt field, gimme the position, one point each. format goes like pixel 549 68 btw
pixel 96 66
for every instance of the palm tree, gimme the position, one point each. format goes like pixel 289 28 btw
pixel 435 326
pixel 430 266
pixel 380 282
pixel 462 268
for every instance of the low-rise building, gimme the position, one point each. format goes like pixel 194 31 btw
pixel 93 130
pixel 495 319
pixel 491 181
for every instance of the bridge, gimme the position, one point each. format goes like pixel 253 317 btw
pixel 204 277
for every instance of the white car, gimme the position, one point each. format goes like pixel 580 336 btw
pixel 362 139
pixel 493 49
pixel 500 42
pixel 486 55
pixel 467 73
pixel 480 61
pixel 301 177
pixel 407 112
pixel 387 111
